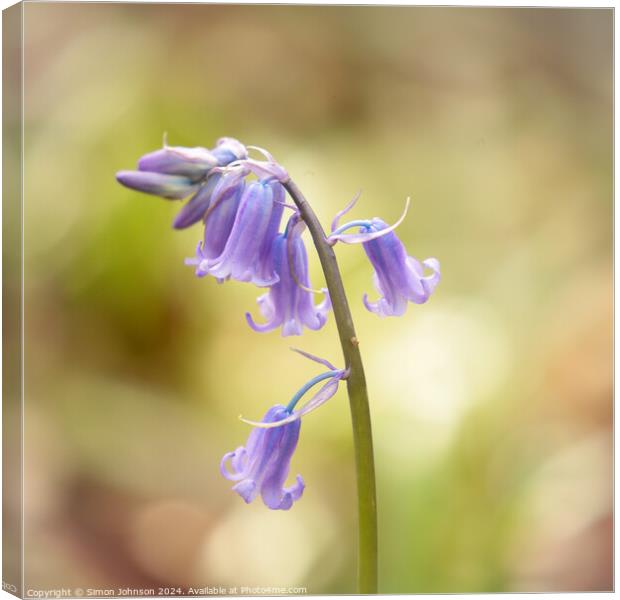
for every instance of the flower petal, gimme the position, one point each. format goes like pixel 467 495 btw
pixel 272 485
pixel 193 163
pixel 197 206
pixel 262 327
pixel 220 219
pixel 234 457
pixel 291 327
pixel 247 489
pixel 297 489
pixel 431 281
pixel 199 261
pixel 239 258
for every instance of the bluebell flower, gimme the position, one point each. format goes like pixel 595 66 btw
pixel 398 278
pixel 218 223
pixel 176 172
pixel 263 465
pixel 289 302
pixel 256 220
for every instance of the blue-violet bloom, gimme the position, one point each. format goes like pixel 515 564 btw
pixel 289 302
pixel 263 465
pixel 176 172
pixel 218 225
pixel 399 278
pixel 241 257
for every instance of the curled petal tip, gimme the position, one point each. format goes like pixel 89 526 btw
pixel 271 425
pixel 344 211
pixel 367 236
pixel 263 169
pixel 264 152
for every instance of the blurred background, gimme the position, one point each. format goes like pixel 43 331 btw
pixel 491 404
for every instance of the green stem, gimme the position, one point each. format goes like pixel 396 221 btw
pixel 358 398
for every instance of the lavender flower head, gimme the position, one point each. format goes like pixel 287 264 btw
pixel 289 302
pixel 240 200
pixel 263 465
pixel 399 278
pixel 176 172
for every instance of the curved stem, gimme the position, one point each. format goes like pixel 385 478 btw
pixel 300 393
pixel 358 398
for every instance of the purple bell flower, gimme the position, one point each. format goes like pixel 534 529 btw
pixel 176 172
pixel 264 267
pixel 399 278
pixel 256 220
pixel 289 302
pixel 263 465
pixel 218 226
pixel 221 217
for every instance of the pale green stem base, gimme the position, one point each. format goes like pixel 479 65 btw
pixel 358 399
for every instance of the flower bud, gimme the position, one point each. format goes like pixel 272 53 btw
pixel 172 187
pixel 196 208
pixel 193 163
pixel 228 150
